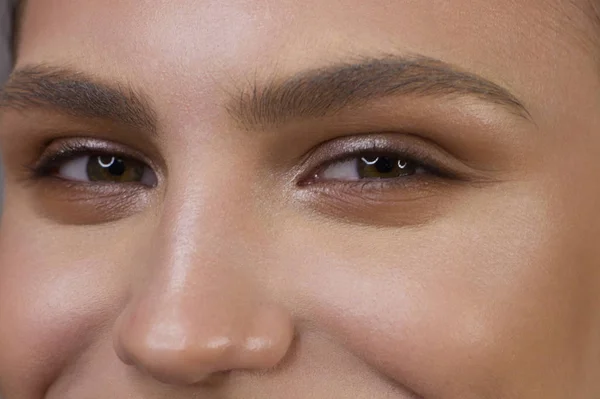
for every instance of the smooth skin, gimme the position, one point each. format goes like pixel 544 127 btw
pixel 246 265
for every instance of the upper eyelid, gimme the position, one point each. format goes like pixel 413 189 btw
pixel 358 155
pixel 408 147
pixel 430 169
pixel 70 148
pixel 53 169
pixel 383 152
pixel 415 148
pixel 44 165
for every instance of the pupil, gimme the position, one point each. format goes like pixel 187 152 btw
pixel 117 168
pixel 114 166
pixel 385 165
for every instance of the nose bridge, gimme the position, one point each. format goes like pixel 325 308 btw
pixel 205 230
pixel 199 310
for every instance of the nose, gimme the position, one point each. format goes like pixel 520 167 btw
pixel 188 346
pixel 195 316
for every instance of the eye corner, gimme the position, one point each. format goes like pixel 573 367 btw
pixel 69 160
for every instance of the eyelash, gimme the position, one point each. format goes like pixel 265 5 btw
pixel 324 156
pixel 423 158
pixel 429 169
pixel 66 151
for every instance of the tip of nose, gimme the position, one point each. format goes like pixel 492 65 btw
pixel 174 364
pixel 169 376
pixel 187 354
pixel 192 365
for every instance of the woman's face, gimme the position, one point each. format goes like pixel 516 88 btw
pixel 320 199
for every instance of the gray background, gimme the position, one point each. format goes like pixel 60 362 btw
pixel 5 35
pixel 5 56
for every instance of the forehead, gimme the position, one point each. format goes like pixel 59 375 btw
pixel 285 27
pixel 532 47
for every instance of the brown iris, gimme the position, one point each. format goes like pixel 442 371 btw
pixel 114 169
pixel 384 167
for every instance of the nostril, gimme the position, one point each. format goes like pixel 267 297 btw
pixel 174 369
pixel 175 364
pixel 188 345
pixel 175 360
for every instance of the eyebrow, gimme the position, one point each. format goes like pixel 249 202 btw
pixel 323 92
pixel 78 95
pixel 310 94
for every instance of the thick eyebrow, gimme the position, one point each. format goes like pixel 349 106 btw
pixel 78 95
pixel 323 92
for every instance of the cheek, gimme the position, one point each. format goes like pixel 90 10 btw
pixel 54 299
pixel 481 303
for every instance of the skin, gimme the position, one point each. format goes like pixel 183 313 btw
pixel 234 278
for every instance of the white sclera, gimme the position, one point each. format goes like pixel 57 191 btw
pixel 345 170
pixel 348 170
pixel 75 169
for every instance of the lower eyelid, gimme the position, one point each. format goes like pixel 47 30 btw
pixel 386 203
pixel 74 203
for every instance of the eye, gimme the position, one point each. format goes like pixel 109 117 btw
pixel 109 168
pixel 370 166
